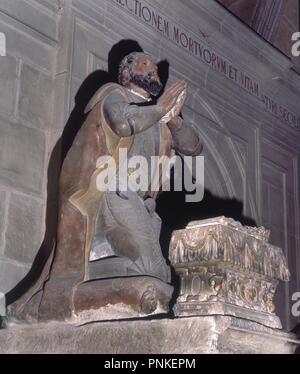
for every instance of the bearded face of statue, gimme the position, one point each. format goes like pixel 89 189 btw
pixel 143 73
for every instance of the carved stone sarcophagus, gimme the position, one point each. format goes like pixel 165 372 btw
pixel 227 269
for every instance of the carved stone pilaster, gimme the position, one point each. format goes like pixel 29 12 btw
pixel 267 18
pixel 2 310
pixel 227 269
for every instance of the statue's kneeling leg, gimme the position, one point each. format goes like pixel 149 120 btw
pixel 132 232
pixel 131 278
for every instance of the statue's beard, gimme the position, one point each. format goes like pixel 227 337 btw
pixel 152 86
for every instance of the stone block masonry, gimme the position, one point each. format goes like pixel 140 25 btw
pixel 27 74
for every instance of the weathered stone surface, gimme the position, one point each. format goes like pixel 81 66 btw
pixel 120 298
pixel 3 318
pixel 27 44
pixel 267 19
pixel 2 305
pixel 22 153
pixel 227 269
pixel 97 300
pixel 22 238
pixel 2 215
pixel 8 79
pixel 11 274
pixel 30 29
pixel 178 336
pixel 32 15
pixel 35 102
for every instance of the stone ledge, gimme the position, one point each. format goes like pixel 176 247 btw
pixel 194 335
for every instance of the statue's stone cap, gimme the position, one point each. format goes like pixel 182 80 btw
pixel 260 233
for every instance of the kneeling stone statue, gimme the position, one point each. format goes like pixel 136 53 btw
pixel 107 263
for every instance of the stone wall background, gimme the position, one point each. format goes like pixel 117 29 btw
pixel 52 46
pixel 26 118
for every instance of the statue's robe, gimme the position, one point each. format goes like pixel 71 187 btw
pixel 94 225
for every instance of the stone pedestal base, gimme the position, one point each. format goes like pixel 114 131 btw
pixel 95 300
pixel 120 298
pixel 193 335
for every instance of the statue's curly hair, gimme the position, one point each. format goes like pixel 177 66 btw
pixel 127 62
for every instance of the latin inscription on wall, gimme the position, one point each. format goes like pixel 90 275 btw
pixel 194 46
